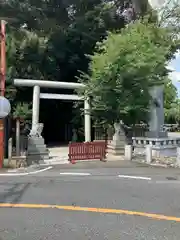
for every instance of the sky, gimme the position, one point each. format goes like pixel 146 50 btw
pixel 174 65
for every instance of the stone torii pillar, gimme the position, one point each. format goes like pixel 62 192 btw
pixel 35 107
pixel 87 121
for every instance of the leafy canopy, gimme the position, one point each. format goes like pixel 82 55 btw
pixel 171 103
pixel 22 111
pixel 123 69
pixel 54 42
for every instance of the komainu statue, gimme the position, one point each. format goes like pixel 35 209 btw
pixel 36 130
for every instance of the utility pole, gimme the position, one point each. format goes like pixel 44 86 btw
pixel 2 86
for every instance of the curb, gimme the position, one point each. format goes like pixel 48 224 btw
pixel 25 173
pixel 49 163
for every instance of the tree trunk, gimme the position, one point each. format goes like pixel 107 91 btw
pixel 17 137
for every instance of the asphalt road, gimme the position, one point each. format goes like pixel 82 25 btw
pixel 98 205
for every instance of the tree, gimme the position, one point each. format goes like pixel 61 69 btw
pixel 70 29
pixel 171 102
pixel 50 15
pixel 170 93
pixel 25 59
pixel 172 114
pixel 53 44
pixel 123 69
pixel 22 112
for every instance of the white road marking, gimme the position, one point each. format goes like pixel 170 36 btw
pixel 27 173
pixel 13 174
pixel 134 177
pixel 41 170
pixel 75 174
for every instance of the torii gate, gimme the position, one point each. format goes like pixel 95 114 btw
pixel 37 84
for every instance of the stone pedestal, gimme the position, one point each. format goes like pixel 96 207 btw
pixel 157 139
pixel 165 147
pixel 128 153
pixel 36 151
pixel 117 145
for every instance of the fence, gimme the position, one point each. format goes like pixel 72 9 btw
pixel 87 151
pixel 134 131
pixel 153 156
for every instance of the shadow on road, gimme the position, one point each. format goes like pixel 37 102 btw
pixel 13 192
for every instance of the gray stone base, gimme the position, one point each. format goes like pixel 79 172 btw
pixel 116 148
pixel 161 147
pixel 168 152
pixel 37 151
pixel 160 152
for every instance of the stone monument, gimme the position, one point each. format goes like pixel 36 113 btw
pixel 162 145
pixel 156 117
pixel 37 151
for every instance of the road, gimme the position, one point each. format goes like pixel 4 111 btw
pixel 77 202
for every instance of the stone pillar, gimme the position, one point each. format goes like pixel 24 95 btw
pixel 36 150
pixel 128 152
pixel 137 6
pixel 148 154
pixel 17 137
pixel 35 108
pixel 87 121
pixel 178 157
pixel 161 144
pixel 156 121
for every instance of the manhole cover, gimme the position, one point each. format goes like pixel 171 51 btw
pixel 171 178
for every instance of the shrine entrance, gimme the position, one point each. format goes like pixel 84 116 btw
pixel 56 153
pixel 37 95
pixel 57 116
pixel 60 132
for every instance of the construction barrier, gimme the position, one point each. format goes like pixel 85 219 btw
pixel 87 151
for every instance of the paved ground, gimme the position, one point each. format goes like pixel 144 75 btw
pixel 98 205
pixel 58 154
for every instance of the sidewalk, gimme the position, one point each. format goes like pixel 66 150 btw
pixel 33 169
pixel 99 164
pixel 4 170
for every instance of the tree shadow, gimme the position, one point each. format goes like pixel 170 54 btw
pixel 14 193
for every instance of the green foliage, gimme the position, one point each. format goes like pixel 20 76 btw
pixel 125 65
pixel 54 42
pixel 22 111
pixel 25 59
pixel 171 103
pixel 172 114
pixel 170 94
pixel 25 54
